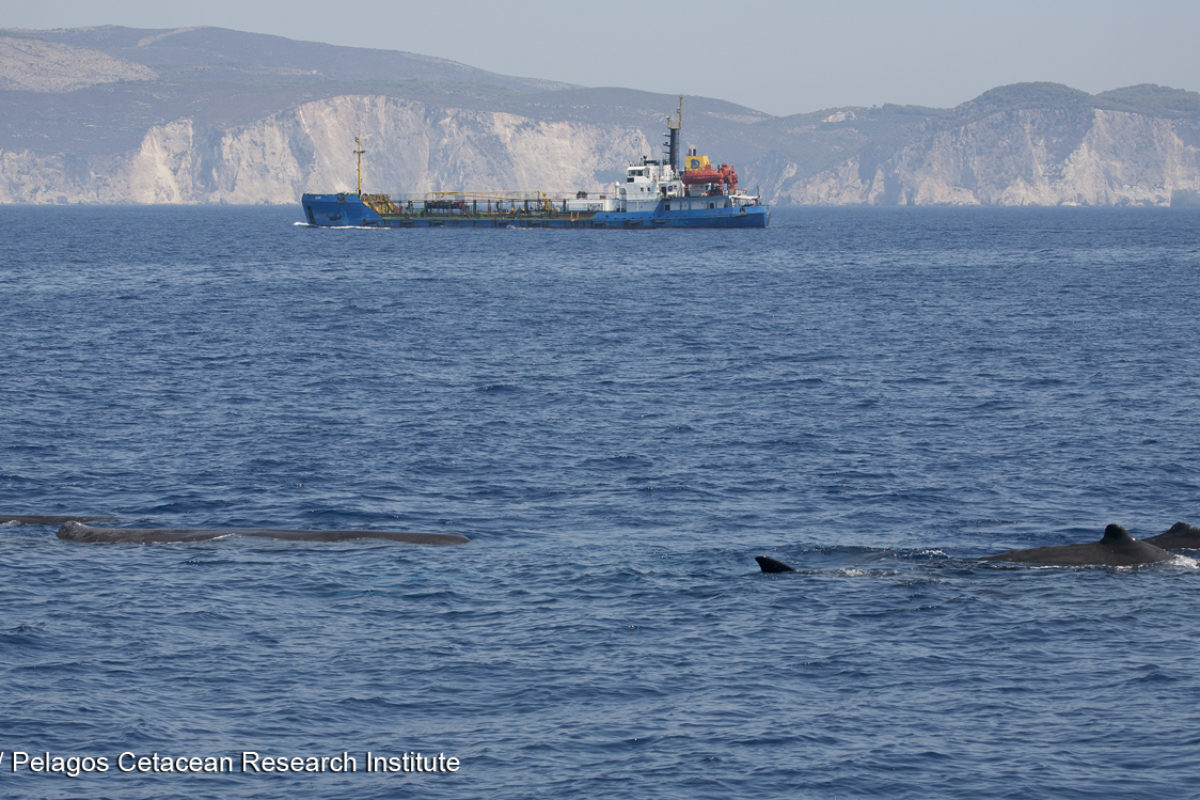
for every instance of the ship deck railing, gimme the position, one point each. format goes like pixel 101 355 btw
pixel 478 204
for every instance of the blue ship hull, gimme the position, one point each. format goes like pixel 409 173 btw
pixel 349 210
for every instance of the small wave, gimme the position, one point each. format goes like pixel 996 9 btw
pixel 855 572
pixel 341 227
pixel 921 555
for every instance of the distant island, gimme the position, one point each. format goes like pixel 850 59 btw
pixel 210 115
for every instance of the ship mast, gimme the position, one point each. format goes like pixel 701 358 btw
pixel 358 151
pixel 673 141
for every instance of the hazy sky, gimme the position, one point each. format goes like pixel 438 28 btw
pixel 775 56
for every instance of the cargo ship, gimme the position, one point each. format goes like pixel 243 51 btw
pixel 655 194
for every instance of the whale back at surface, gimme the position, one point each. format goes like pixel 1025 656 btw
pixel 45 519
pixel 1179 536
pixel 78 532
pixel 1117 549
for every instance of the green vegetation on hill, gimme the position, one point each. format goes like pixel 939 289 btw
pixel 1031 95
pixel 1155 101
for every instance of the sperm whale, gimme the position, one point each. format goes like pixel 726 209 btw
pixel 45 519
pixel 1117 548
pixel 1179 536
pixel 78 532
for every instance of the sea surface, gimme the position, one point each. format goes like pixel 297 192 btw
pixel 620 421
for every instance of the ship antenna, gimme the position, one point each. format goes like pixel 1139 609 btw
pixel 358 151
pixel 673 141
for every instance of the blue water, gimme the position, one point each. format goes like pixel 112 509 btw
pixel 620 421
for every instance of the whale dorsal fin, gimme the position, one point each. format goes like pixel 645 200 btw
pixel 1115 534
pixel 771 565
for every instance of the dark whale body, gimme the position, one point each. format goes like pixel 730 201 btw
pixel 1117 549
pixel 45 519
pixel 1179 536
pixel 78 532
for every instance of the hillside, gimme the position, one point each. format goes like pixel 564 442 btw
pixel 203 115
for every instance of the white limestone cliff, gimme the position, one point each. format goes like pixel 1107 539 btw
pixel 1012 157
pixel 1015 158
pixel 410 148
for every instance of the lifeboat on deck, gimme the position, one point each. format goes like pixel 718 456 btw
pixel 706 173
